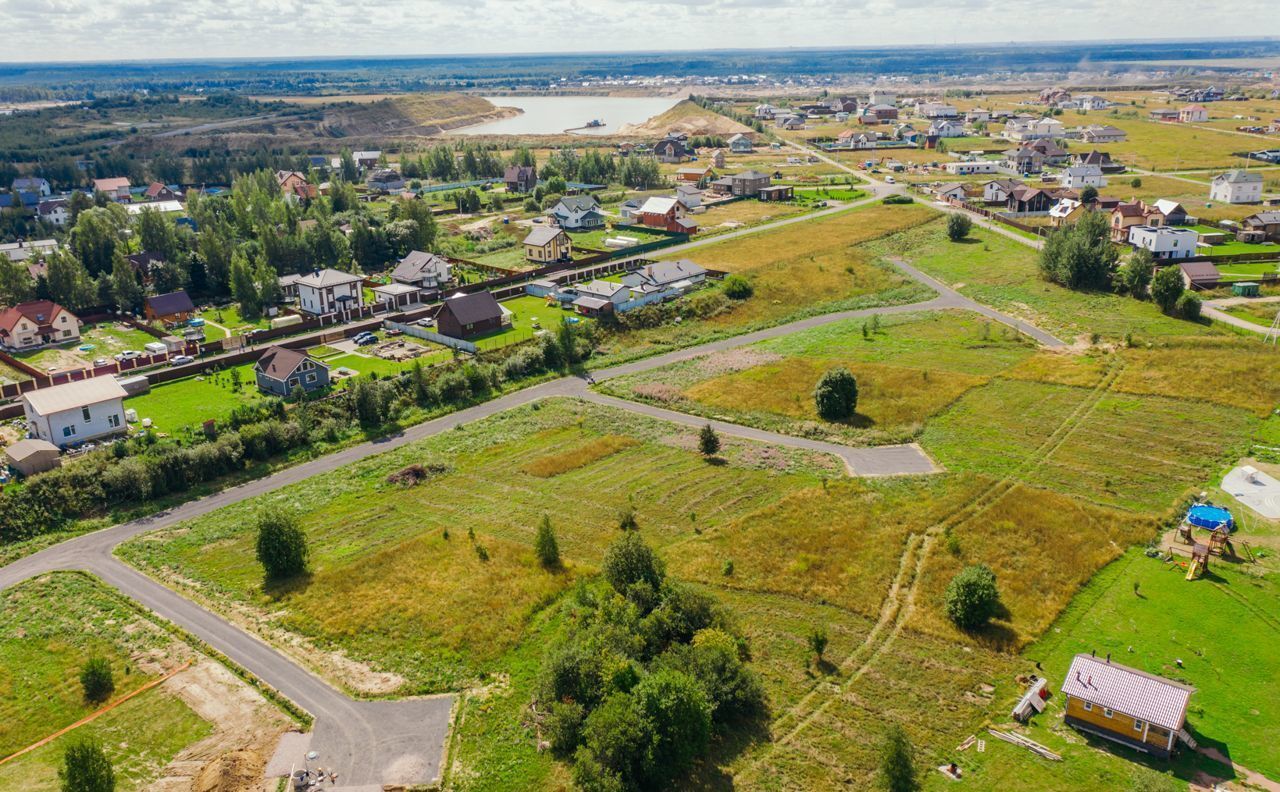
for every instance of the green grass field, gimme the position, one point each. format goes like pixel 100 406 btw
pixel 999 272
pixel 377 547
pixel 908 368
pixel 49 627
pixel 173 406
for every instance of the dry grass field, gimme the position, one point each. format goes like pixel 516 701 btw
pixel 888 396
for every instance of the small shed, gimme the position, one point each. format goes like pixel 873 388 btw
pixel 1244 289
pixel 30 457
pixel 1199 275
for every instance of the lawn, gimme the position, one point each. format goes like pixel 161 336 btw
pixel 1003 274
pixel 378 547
pixel 189 402
pixel 1223 630
pixel 228 316
pixel 908 368
pixel 107 339
pixel 49 627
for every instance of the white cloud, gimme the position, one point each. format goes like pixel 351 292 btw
pixel 132 29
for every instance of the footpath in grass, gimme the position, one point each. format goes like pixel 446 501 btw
pixel 49 628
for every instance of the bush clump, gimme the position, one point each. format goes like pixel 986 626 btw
pixel 972 597
pixel 836 395
pixel 282 546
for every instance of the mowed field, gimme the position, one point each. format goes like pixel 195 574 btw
pixel 49 627
pixel 908 368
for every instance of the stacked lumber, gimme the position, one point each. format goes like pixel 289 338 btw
pixel 1031 745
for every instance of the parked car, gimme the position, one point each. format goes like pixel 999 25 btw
pixel 366 340
pixel 890 180
pixel 181 360
pixel 100 362
pixel 129 354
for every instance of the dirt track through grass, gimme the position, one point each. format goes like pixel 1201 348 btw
pixel 900 600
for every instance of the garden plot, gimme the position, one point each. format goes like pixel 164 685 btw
pixel 165 735
pixel 103 340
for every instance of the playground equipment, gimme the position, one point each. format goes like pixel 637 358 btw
pixel 1199 561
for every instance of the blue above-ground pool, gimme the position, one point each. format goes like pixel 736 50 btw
pixel 1213 518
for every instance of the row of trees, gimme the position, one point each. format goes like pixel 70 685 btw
pixel 135 471
pixel 1081 256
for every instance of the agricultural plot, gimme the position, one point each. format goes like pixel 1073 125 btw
pixel 838 545
pixel 382 545
pixel 50 627
pixel 908 368
pixel 740 214
pixel 1132 451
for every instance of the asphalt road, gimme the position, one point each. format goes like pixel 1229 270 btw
pixel 403 742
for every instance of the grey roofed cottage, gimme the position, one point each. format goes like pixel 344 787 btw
pixel 422 269
pixel 280 370
pixel 520 178
pixel 665 274
pixel 575 212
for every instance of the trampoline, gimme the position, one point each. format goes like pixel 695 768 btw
pixel 1212 518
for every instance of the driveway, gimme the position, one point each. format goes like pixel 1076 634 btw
pixel 404 742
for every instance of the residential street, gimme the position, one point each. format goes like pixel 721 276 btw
pixel 372 743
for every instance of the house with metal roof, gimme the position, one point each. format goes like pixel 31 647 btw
pixel 1236 187
pixel 33 324
pixel 170 308
pixel 468 315
pixel 75 412
pixel 546 244
pixel 577 213
pixel 423 270
pixel 680 275
pixel 1125 705
pixel 329 291
pixel 280 371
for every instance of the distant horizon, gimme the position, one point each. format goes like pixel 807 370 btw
pixel 661 51
pixel 76 32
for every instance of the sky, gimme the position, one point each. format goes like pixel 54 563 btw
pixel 71 30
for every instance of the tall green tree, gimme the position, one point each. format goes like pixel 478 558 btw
pixel 897 762
pixel 96 235
pixel 156 234
pixel 126 293
pixel 16 285
pixel 86 768
pixel 1080 256
pixel 1166 288
pixel 545 545
pixel 244 286
pixel 836 395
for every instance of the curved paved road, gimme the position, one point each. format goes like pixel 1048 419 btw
pixel 403 742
